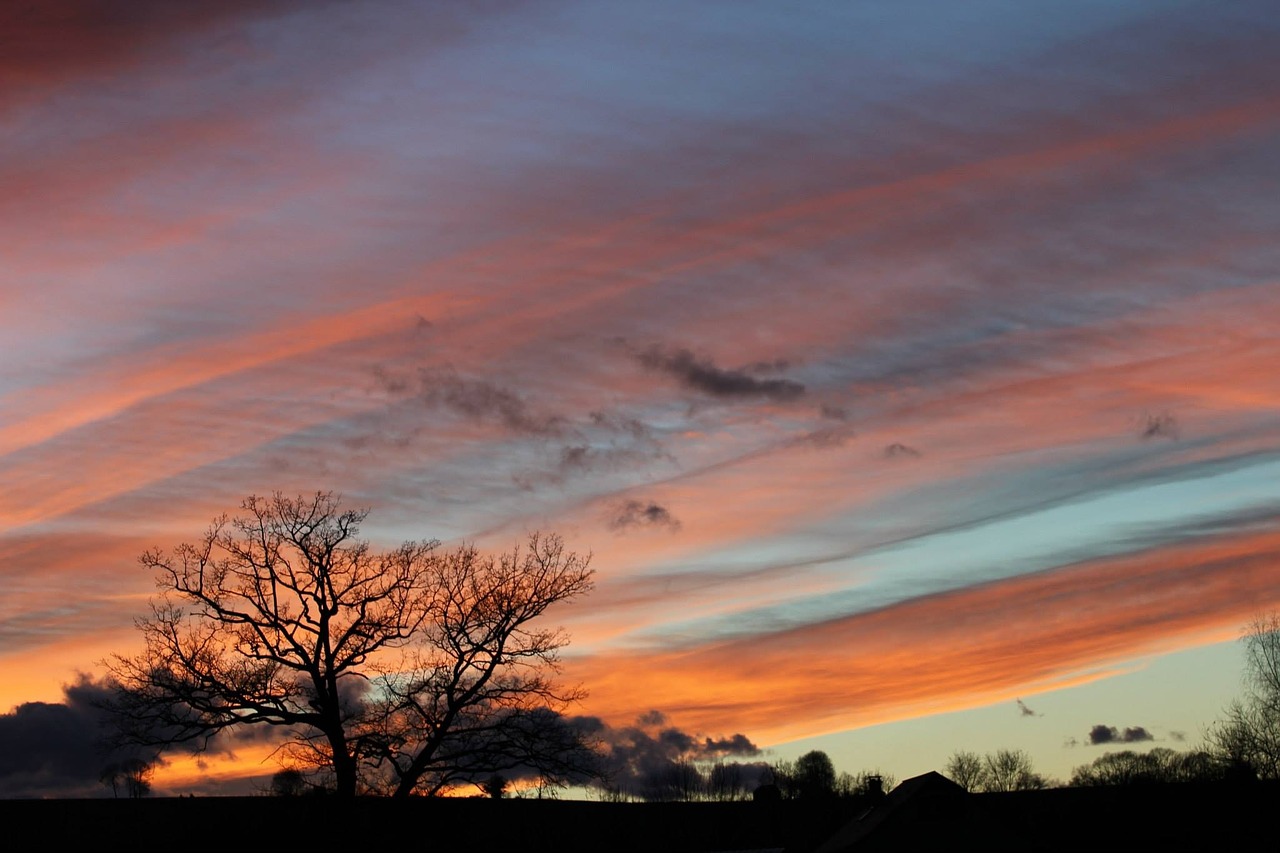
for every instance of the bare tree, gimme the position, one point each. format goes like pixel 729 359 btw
pixel 968 770
pixel 1010 770
pixel 112 777
pixel 672 780
pixel 495 786
pixel 1248 736
pixel 726 781
pixel 1002 770
pixel 783 775
pixel 1156 766
pixel 472 696
pixel 131 774
pixel 281 616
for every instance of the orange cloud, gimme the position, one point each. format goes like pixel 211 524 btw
pixel 948 651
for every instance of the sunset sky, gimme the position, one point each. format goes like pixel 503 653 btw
pixel 898 362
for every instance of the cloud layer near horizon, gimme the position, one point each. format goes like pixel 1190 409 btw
pixel 883 365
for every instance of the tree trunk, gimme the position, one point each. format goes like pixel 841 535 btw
pixel 344 766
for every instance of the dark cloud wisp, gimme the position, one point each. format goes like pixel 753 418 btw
pixel 1163 425
pixel 704 376
pixel 897 450
pixel 483 401
pixel 1101 734
pixel 642 514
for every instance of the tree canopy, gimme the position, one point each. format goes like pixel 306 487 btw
pixel 1002 770
pixel 398 671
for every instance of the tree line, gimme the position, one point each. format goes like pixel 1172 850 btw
pixel 1242 746
pixel 812 776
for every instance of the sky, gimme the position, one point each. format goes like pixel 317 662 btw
pixel 907 368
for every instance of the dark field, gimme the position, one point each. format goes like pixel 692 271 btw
pixel 314 824
pixel 1156 818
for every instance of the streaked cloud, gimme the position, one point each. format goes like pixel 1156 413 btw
pixel 888 359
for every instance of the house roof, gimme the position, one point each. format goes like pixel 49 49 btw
pixel 928 793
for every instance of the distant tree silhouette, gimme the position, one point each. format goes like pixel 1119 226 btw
pixel 495 786
pixel 1247 739
pixel 815 775
pixel 1157 766
pixel 137 776
pixel 612 793
pixel 726 781
pixel 811 776
pixel 112 778
pixel 1011 770
pixel 783 774
pixel 967 769
pixel 677 780
pixel 399 671
pixel 289 782
pixel 1002 770
pixel 132 776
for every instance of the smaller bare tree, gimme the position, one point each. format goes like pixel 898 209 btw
pixel 112 777
pixel 1011 770
pixel 1002 770
pixel 130 775
pixel 726 781
pixel 967 770
pixel 495 786
pixel 1248 736
pixel 478 693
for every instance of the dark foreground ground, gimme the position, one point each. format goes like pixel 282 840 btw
pixel 929 816
pixel 474 826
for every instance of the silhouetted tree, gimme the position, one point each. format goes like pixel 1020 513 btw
pixel 677 780
pixel 611 793
pixel 1157 766
pixel 782 775
pixel 495 786
pixel 726 781
pixel 967 769
pixel 396 663
pixel 131 775
pixel 810 776
pixel 1002 770
pixel 815 775
pixel 1248 736
pixel 111 777
pixel 1011 770
pixel 137 776
pixel 1197 766
pixel 289 782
